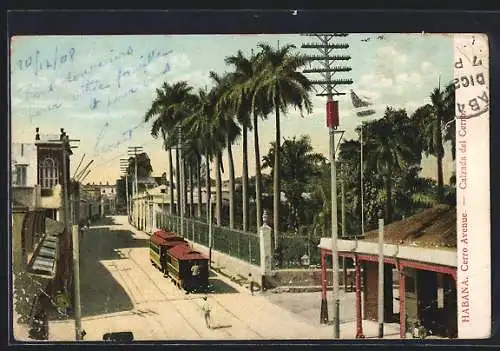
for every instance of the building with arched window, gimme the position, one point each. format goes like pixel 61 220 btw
pixel 48 172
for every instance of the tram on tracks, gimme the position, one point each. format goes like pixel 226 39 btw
pixel 172 255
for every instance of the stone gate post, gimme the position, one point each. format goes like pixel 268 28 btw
pixel 265 250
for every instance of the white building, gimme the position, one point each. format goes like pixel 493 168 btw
pixel 23 165
pixel 150 206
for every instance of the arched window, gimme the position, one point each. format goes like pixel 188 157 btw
pixel 49 173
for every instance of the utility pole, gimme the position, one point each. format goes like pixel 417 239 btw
pixel 71 221
pixel 343 235
pixel 181 175
pixel 362 175
pixel 132 152
pixel 380 275
pixel 124 168
pixel 328 84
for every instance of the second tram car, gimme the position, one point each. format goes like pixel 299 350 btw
pixel 187 268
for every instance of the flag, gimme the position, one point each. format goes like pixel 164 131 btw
pixel 361 105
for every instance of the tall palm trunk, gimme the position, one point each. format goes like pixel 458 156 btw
pixel 277 189
pixel 171 181
pixel 208 186
pixel 218 189
pixel 191 194
pixel 245 177
pixel 439 156
pixel 258 175
pixel 198 184
pixel 177 181
pixel 231 183
pixel 184 186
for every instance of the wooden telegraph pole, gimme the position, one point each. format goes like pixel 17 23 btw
pixel 328 83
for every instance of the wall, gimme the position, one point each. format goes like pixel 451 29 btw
pixel 25 196
pixel 371 298
pixel 25 153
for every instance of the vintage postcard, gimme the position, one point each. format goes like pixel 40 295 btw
pixel 179 187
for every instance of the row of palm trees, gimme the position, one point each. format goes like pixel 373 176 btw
pixel 208 122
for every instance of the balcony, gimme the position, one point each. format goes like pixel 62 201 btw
pixel 51 198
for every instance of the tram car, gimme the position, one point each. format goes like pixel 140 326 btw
pixel 159 243
pixel 187 268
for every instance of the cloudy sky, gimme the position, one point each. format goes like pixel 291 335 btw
pixel 99 87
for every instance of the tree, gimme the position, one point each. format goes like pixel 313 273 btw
pixel 201 127
pixel 169 108
pixel 431 120
pixel 298 165
pixel 224 112
pixel 282 83
pixel 144 168
pixel 390 148
pixel 239 97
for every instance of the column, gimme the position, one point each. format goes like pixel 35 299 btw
pixel 402 309
pixel 324 283
pixel 265 249
pixel 359 317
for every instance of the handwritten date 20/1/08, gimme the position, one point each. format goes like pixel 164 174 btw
pixel 38 63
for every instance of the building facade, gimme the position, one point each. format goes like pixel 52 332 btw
pixel 41 229
pixel 422 251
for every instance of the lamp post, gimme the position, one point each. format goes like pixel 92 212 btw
pixel 328 83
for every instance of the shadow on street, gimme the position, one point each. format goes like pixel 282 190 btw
pixel 104 221
pixel 218 286
pixel 100 292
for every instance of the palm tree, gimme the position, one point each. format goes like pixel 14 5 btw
pixel 239 97
pixel 261 107
pixel 202 128
pixel 390 147
pixel 280 82
pixel 168 106
pixel 431 119
pixel 229 129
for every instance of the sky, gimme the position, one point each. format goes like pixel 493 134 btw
pixel 98 88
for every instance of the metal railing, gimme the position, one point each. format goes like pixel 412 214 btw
pixel 235 243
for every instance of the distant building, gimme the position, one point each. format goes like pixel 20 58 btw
pixel 106 197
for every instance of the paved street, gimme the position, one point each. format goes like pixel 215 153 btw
pixel 121 291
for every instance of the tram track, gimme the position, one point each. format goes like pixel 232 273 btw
pixel 165 295
pixel 238 318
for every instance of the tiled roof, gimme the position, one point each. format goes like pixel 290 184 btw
pixel 433 227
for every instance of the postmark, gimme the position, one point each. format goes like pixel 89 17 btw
pixel 471 78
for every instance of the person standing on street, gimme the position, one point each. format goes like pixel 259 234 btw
pixel 251 282
pixel 206 308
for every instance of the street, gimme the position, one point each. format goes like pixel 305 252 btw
pixel 122 291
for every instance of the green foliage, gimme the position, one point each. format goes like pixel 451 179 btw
pixel 213 118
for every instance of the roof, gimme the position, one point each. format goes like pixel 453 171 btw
pixel 435 227
pixel 172 242
pixel 185 252
pixel 164 234
pixel 44 261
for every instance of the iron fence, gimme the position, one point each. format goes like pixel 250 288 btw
pixel 235 243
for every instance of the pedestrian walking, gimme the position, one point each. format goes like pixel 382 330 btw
pixel 251 282
pixel 206 309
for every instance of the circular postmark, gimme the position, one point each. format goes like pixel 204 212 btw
pixel 471 79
